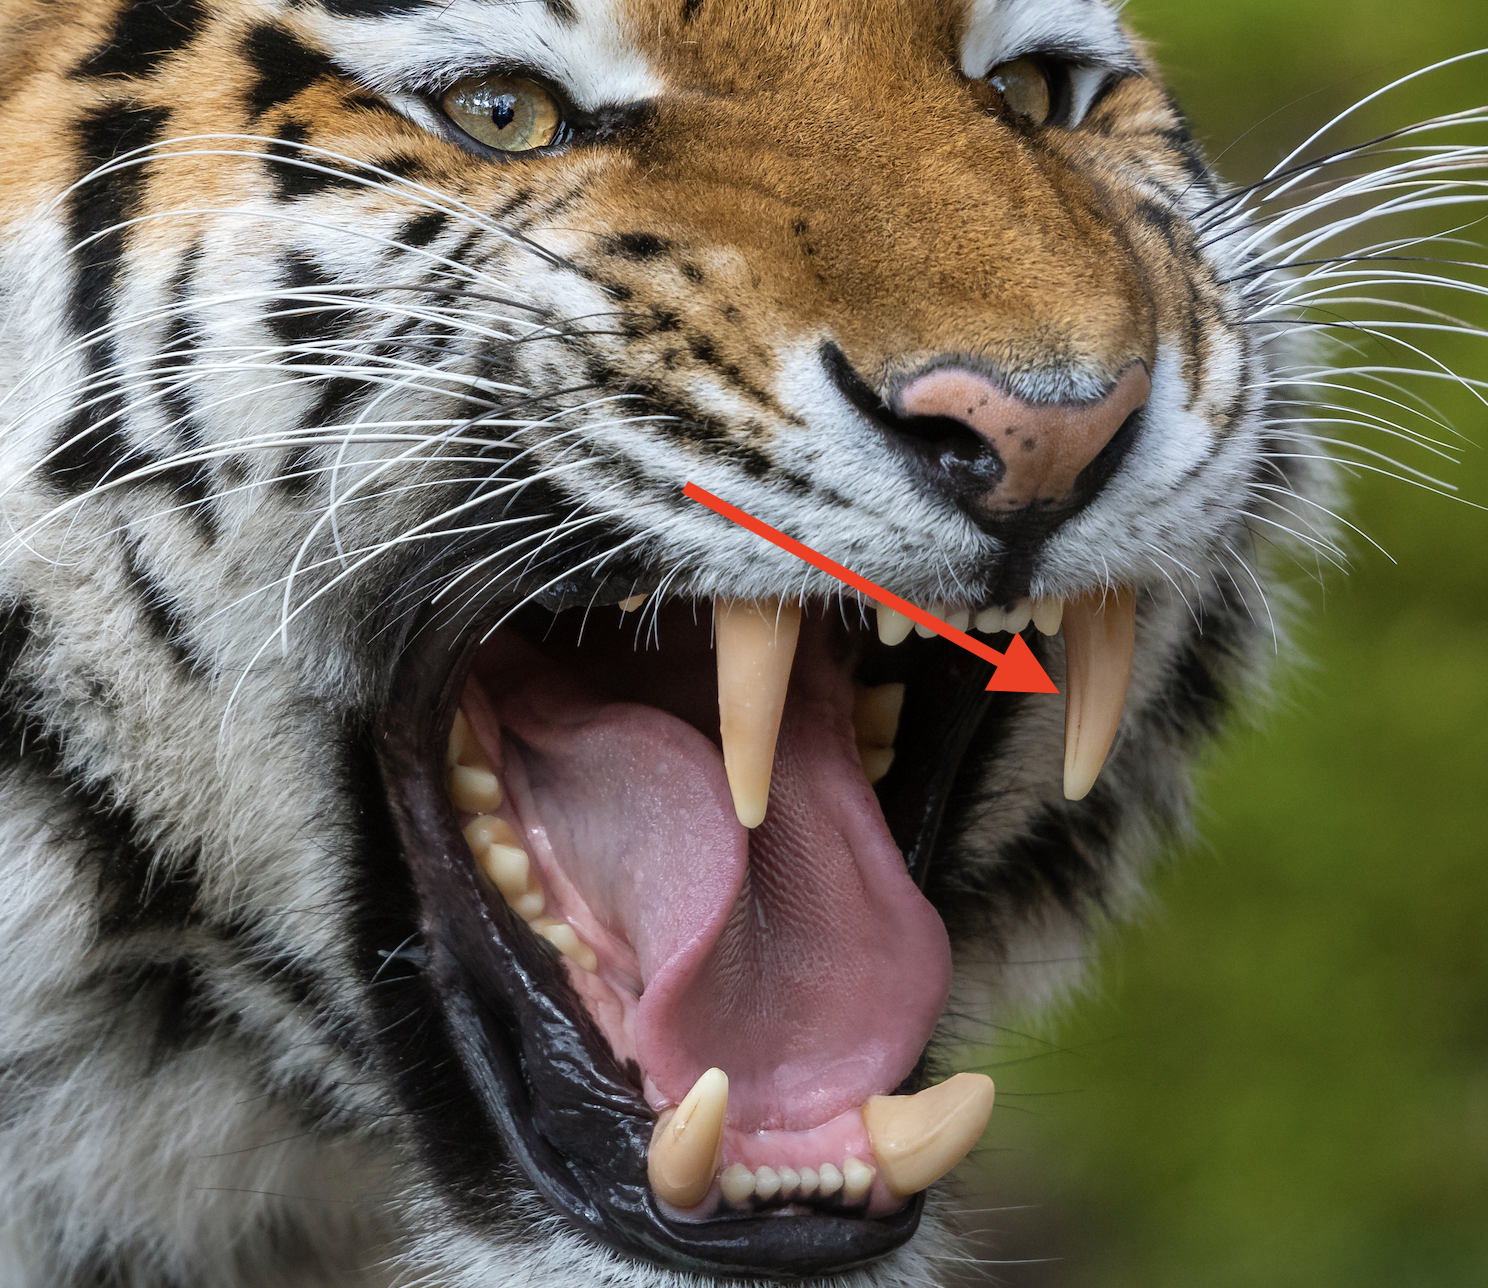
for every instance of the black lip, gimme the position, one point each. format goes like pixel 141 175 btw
pixel 535 1066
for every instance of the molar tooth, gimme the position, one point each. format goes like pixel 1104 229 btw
pixel 766 1183
pixel 991 621
pixel 530 906
pixel 474 789
pixel 1100 639
pixel 737 1183
pixel 508 868
pixel 831 1180
pixel 1018 616
pixel 876 714
pixel 566 940
pixel 918 1139
pixel 893 626
pixel 857 1180
pixel 631 604
pixel 486 829
pixel 685 1146
pixel 460 738
pixel 789 1179
pixel 809 1182
pixel 1048 613
pixel 756 644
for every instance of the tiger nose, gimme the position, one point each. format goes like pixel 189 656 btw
pixel 1040 448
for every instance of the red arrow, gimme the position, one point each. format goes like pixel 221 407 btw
pixel 1018 671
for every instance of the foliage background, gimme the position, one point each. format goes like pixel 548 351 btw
pixel 1281 1076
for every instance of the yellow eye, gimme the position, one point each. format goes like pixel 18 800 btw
pixel 504 112
pixel 1024 88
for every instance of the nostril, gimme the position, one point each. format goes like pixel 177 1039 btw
pixel 945 443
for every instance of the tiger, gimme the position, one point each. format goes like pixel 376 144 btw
pixel 438 849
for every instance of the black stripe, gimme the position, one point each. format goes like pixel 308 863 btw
pixel 298 173
pixel 159 611
pixel 93 446
pixel 96 208
pixel 296 321
pixel 146 32
pixel 376 8
pixel 422 229
pixel 283 66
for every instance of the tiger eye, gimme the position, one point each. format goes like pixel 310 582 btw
pixel 1024 88
pixel 508 113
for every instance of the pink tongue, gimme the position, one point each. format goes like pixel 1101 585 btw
pixel 799 958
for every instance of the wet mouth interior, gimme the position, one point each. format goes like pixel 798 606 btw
pixel 699 830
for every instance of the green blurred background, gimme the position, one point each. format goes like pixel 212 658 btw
pixel 1280 1075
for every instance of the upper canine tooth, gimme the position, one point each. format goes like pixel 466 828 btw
pixel 756 644
pixel 1100 638
pixel 918 1139
pixel 460 738
pixel 893 626
pixel 687 1143
pixel 1047 614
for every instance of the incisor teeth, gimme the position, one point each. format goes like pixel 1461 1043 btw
pixel 1100 637
pixel 631 604
pixel 1017 617
pixel 737 1183
pixel 830 1178
pixel 687 1141
pixel 893 626
pixel 766 1183
pixel 924 632
pixel 959 618
pixel 809 1182
pixel 789 1179
pixel 756 644
pixel 1047 614
pixel 857 1179
pixel 918 1139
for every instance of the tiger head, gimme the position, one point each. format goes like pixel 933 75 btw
pixel 530 839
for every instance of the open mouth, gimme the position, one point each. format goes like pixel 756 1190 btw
pixel 669 861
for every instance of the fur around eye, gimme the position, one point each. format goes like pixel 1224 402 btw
pixel 508 113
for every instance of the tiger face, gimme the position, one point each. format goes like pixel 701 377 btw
pixel 559 878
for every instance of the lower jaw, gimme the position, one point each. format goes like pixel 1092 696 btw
pixel 536 1066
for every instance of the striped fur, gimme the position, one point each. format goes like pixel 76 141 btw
pixel 282 363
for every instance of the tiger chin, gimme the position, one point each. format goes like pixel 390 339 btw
pixel 438 851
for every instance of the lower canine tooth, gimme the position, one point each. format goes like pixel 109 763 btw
pixel 876 714
pixel 737 1183
pixel 876 762
pixel 686 1143
pixel 756 644
pixel 893 626
pixel 1100 638
pixel 831 1180
pixel 460 738
pixel 766 1183
pixel 857 1179
pixel 474 789
pixel 918 1139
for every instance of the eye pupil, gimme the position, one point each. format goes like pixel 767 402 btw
pixel 504 111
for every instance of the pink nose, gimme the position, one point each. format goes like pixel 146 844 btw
pixel 1043 446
